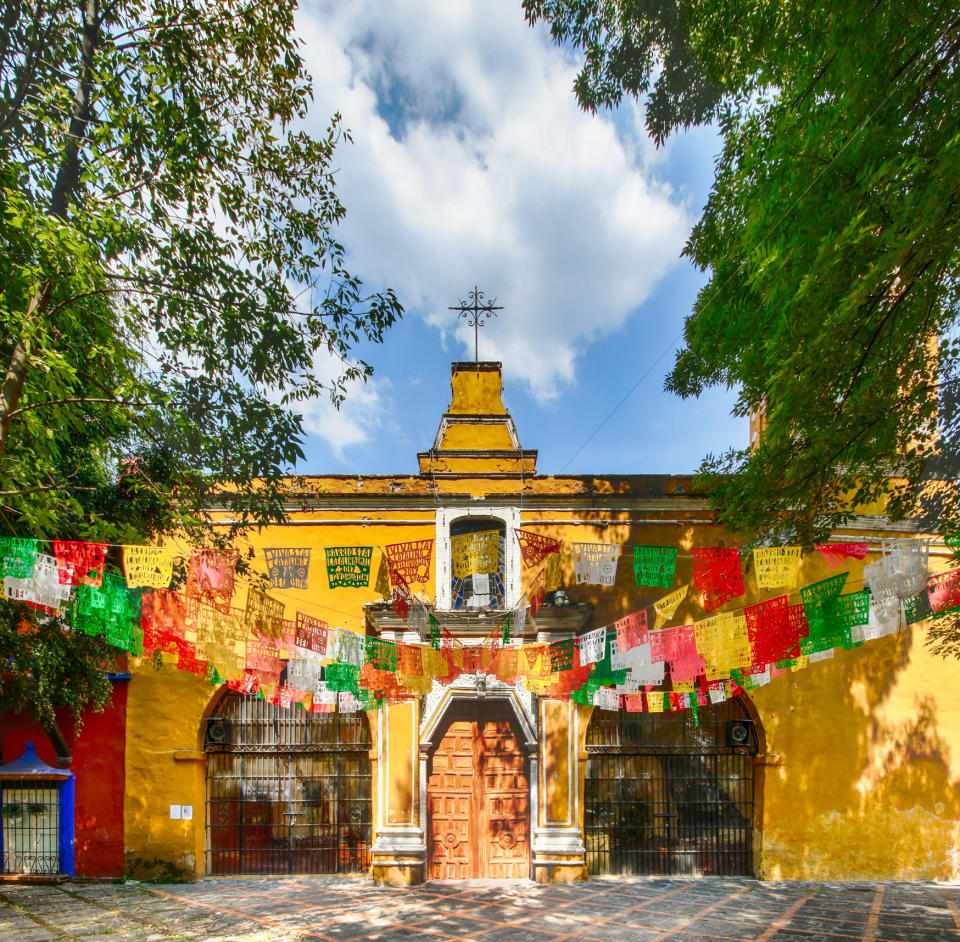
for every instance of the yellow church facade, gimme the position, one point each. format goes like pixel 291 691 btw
pixel 843 768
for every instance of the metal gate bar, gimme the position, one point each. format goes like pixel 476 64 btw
pixel 30 822
pixel 666 797
pixel 289 792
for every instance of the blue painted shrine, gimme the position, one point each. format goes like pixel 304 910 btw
pixel 36 818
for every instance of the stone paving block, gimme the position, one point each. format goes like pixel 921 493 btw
pixel 746 915
pixel 721 929
pixel 514 934
pixel 11 925
pixel 782 891
pixel 557 922
pixel 408 932
pixel 847 904
pixel 34 934
pixel 704 890
pixel 641 919
pixel 455 906
pixel 497 913
pixel 672 905
pixel 831 928
pixel 593 910
pixel 750 902
pixel 459 927
pixel 792 935
pixel 616 909
pixel 940 920
pixel 916 933
pixel 439 888
pixel 620 934
pixel 658 920
pixel 82 923
pixel 350 931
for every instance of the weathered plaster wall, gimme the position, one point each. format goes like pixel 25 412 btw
pixel 164 767
pixel 98 766
pixel 471 437
pixel 861 773
pixel 475 391
pixel 862 779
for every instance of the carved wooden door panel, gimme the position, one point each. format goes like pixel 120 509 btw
pixel 478 798
pixel 450 805
pixel 505 793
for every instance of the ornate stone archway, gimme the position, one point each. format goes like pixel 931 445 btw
pixel 479 689
pixel 478 762
pixel 406 734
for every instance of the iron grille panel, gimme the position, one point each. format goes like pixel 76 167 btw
pixel 31 829
pixel 291 793
pixel 663 796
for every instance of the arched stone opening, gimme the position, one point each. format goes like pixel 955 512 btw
pixel 288 791
pixel 478 774
pixel 478 581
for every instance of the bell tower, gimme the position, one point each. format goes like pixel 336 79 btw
pixel 477 435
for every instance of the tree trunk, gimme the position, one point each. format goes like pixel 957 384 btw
pixel 19 364
pixel 59 742
pixel 68 177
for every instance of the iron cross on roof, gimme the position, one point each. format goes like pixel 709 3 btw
pixel 477 312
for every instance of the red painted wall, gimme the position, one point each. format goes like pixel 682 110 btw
pixel 98 765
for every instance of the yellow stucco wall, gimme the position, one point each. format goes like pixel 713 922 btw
pixel 164 767
pixel 863 780
pixel 559 759
pixel 402 723
pixel 467 437
pixel 476 391
pixel 861 777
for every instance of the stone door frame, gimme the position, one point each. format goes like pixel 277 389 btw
pixel 472 687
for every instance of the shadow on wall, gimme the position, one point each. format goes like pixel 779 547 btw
pixel 862 781
pixel 865 790
pixel 152 870
pixel 97 751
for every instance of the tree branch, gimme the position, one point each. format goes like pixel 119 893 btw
pixel 131 403
pixel 46 487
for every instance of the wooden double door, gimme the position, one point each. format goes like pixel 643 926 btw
pixel 478 797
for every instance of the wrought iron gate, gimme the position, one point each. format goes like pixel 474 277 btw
pixel 30 840
pixel 287 791
pixel 663 796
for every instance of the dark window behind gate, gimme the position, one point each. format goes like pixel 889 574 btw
pixel 287 791
pixel 663 796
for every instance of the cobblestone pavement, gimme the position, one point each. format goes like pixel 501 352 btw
pixel 330 908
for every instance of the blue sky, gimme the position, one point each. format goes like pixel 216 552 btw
pixel 471 163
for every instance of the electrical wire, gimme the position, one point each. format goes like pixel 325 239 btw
pixel 779 223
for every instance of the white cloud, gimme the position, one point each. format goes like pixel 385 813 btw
pixel 361 414
pixel 473 164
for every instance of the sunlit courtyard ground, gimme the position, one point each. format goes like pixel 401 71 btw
pixel 264 910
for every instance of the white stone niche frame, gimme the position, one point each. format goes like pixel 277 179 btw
pixel 465 688
pixel 511 550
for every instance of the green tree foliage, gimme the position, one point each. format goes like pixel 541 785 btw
pixel 171 285
pixel 830 237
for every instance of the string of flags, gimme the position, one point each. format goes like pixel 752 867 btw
pixel 307 662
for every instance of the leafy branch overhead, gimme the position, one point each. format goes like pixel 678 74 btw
pixel 172 283
pixel 830 237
